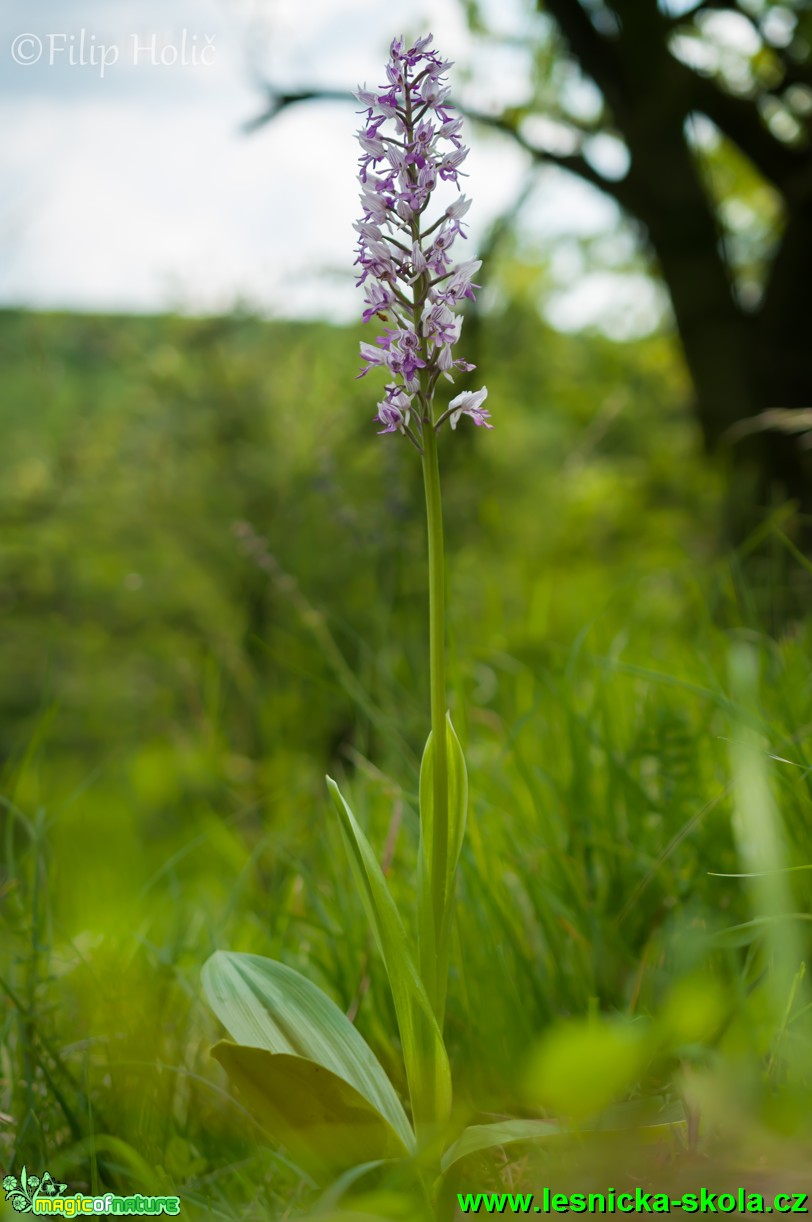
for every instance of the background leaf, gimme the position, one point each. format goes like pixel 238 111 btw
pixel 582 1066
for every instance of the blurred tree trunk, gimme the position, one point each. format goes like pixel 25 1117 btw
pixel 742 362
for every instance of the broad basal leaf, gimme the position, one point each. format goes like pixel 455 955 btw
pixel 427 1066
pixel 324 1123
pixel 264 1004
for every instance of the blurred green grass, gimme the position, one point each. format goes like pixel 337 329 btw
pixel 212 593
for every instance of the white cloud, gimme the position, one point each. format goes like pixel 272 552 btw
pixel 139 191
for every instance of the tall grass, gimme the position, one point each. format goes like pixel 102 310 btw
pixel 173 692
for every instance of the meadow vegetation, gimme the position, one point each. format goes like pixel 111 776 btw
pixel 212 593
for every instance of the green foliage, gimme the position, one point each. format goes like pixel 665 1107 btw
pixel 326 1125
pixel 427 1068
pixel 173 691
pixel 582 1067
pixel 477 1138
pixel 267 1006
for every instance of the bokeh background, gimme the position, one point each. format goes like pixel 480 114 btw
pixel 212 573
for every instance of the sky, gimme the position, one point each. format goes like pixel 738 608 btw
pixel 130 183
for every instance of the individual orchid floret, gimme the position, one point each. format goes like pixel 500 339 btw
pixel 469 403
pixel 372 356
pixel 394 411
pixel 460 283
pixel 378 299
pixel 411 151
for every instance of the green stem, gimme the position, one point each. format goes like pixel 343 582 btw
pixel 439 847
pixel 433 960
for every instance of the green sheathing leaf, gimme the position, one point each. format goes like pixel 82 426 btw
pixel 652 1121
pixel 479 1137
pixel 324 1123
pixel 264 1004
pixel 437 894
pixel 424 1053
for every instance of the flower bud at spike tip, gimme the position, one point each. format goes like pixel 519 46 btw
pixel 411 148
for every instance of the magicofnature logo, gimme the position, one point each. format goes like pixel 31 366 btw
pixel 24 1192
pixel 42 1194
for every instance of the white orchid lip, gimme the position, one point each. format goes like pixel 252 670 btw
pixel 469 403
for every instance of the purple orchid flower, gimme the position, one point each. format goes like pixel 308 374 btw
pixel 411 146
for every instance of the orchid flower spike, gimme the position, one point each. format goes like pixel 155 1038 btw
pixel 411 148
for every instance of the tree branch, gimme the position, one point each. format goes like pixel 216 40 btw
pixel 704 6
pixel 785 167
pixel 738 117
pixel 574 163
pixel 594 52
pixel 277 102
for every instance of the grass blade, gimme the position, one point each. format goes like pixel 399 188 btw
pixel 424 1053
